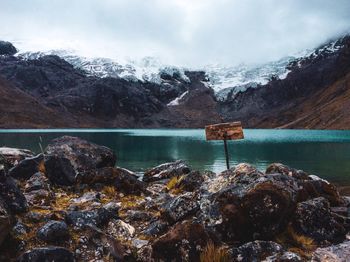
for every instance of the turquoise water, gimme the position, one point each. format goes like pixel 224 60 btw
pixel 324 153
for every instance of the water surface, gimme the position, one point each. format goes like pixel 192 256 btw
pixel 324 153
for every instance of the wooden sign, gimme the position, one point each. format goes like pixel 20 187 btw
pixel 224 131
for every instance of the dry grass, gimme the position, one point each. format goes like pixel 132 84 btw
pixel 212 253
pixel 41 167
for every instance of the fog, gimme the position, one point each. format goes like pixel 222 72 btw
pixel 179 32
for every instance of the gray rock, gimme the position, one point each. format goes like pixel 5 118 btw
pixel 335 253
pixel 53 231
pixel 47 254
pixel 6 48
pixel 166 170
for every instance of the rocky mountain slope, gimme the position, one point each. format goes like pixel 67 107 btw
pixel 307 92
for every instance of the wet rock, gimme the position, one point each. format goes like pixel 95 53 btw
pixel 335 253
pixel 53 231
pixel 166 170
pixel 256 251
pixel 14 155
pixel 69 158
pixel 184 242
pixel 6 48
pixel 314 219
pixel 180 208
pixel 47 254
pixel 36 182
pixel 26 168
pixel 5 223
pixel 286 170
pixel 11 196
pixel 97 217
pixel 191 181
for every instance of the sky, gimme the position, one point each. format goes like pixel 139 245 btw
pixel 178 32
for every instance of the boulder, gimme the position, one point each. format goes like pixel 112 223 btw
pixel 190 182
pixel 286 170
pixel 184 242
pixel 10 195
pixel 85 218
pixel 68 159
pixel 14 155
pixel 256 251
pixel 26 168
pixel 167 170
pixel 47 254
pixel 36 182
pixel 5 223
pixel 53 232
pixel 335 253
pixel 180 207
pixel 313 218
pixel 6 48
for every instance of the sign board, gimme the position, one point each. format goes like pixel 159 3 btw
pixel 224 131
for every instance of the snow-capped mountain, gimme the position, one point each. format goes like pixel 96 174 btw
pixel 223 80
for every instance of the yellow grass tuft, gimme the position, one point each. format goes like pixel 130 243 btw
pixel 212 253
pixel 41 167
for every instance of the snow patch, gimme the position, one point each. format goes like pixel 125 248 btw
pixel 177 100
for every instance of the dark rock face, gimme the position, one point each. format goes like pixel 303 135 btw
pixel 68 158
pixel 36 182
pixel 256 251
pixel 5 223
pixel 191 181
pixel 314 219
pixel 14 155
pixel 49 254
pixel 184 242
pixel 167 170
pixel 6 48
pixel 26 168
pixel 53 231
pixel 11 195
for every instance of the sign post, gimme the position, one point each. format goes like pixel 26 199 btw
pixel 225 131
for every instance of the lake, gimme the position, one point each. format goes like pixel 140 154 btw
pixel 323 153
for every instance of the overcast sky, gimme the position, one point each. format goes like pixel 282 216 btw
pixel 182 32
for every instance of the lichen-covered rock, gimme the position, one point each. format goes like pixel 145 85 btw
pixel 190 182
pixel 26 168
pixel 53 232
pixel 13 156
pixel 5 222
pixel 314 219
pixel 49 254
pixel 69 158
pixel 167 170
pixel 10 195
pixel 180 207
pixel 184 242
pixel 36 182
pixel 335 253
pixel 120 230
pixel 156 228
pixel 286 170
pixel 256 251
pixel 84 218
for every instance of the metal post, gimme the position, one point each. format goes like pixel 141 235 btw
pixel 226 154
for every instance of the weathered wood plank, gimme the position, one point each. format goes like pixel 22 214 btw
pixel 228 131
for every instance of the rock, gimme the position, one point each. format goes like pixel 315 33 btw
pixel 119 229
pixel 180 207
pixel 156 228
pixel 254 206
pixel 87 197
pixel 97 217
pixel 167 170
pixel 47 254
pixel 36 182
pixel 137 215
pixel 5 223
pixel 11 195
pixel 6 48
pixel 26 168
pixel 53 232
pixel 184 242
pixel 285 257
pixel 313 218
pixel 285 170
pixel 19 229
pixel 69 158
pixel 335 253
pixel 40 197
pixel 14 155
pixel 191 181
pixel 256 251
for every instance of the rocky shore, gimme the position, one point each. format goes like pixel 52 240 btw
pixel 73 203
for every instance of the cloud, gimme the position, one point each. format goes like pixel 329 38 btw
pixel 183 32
